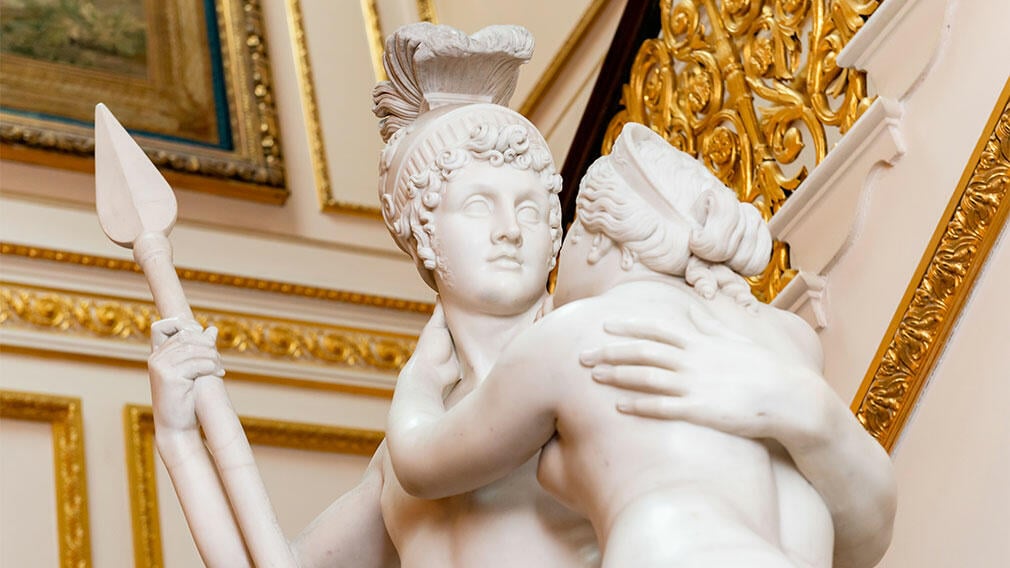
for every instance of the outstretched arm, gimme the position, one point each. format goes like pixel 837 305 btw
pixel 493 430
pixel 349 532
pixel 182 352
pixel 752 394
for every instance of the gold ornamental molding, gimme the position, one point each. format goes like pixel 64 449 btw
pixel 328 202
pixel 107 317
pixel 252 169
pixel 751 88
pixel 142 475
pixel 273 286
pixel 64 414
pixel 941 285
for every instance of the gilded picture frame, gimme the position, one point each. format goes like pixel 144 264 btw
pixel 190 80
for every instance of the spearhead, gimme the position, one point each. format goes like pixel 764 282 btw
pixel 131 195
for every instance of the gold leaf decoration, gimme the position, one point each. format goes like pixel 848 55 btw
pixel 64 414
pixel 140 447
pixel 943 281
pixel 303 342
pixel 216 278
pixel 752 89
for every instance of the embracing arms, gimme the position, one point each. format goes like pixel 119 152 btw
pixel 496 428
pixel 753 394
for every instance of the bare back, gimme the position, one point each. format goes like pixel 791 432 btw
pixel 624 470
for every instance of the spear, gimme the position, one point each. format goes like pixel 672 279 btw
pixel 137 210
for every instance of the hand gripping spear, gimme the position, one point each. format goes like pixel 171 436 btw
pixel 137 210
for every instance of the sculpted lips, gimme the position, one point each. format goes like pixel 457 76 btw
pixel 506 259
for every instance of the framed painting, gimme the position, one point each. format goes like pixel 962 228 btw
pixel 190 79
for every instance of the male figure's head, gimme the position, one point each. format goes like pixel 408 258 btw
pixel 648 207
pixel 468 187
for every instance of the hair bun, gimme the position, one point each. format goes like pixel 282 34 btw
pixel 730 232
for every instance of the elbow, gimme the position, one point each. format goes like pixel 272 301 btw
pixel 870 540
pixel 412 467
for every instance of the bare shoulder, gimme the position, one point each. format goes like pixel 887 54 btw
pixel 804 337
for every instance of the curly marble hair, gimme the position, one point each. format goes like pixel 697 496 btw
pixel 664 209
pixel 443 108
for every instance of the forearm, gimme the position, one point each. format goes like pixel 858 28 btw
pixel 854 476
pixel 203 500
pixel 495 429
pixel 421 459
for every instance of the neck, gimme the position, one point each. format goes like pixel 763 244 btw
pixel 603 276
pixel 479 338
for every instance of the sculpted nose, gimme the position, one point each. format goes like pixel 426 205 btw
pixel 508 231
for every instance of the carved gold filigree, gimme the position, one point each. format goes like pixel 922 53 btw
pixel 751 88
pixel 139 426
pixel 274 286
pixel 64 414
pixel 302 342
pixel 941 285
pixel 252 169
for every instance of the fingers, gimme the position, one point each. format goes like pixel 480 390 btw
pixel 661 407
pixel 188 355
pixel 435 341
pixel 652 330
pixel 646 353
pixel 203 367
pixel 640 379
pixel 163 329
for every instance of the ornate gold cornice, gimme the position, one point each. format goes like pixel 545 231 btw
pixel 274 286
pixel 139 426
pixel 941 285
pixel 64 414
pixel 107 317
pixel 751 88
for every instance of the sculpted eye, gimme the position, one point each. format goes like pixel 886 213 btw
pixel 477 207
pixel 528 213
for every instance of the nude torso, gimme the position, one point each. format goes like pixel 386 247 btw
pixel 715 488
pixel 512 522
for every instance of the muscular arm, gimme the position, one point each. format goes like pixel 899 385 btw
pixel 229 522
pixel 493 430
pixel 850 470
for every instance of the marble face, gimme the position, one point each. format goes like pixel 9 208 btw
pixel 492 238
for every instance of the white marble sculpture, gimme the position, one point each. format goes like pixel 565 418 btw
pixel 664 245
pixel 469 190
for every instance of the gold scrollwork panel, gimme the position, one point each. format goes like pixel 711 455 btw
pixel 941 285
pixel 751 88
pixel 242 334
pixel 139 425
pixel 64 414
pixel 220 279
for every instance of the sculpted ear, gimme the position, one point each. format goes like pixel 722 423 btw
pixel 602 245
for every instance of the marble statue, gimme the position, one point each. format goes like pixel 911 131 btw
pixel 659 241
pixel 469 190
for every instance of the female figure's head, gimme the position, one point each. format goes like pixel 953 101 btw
pixel 468 187
pixel 661 208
